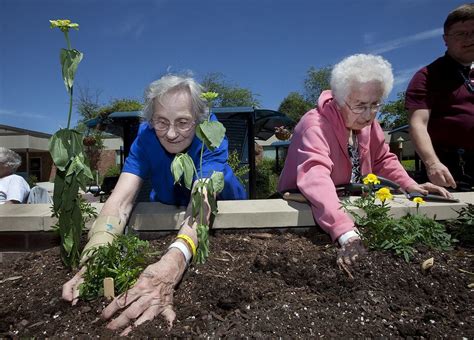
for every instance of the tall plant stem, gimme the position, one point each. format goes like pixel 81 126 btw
pixel 70 108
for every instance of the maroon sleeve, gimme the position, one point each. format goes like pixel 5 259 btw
pixel 416 96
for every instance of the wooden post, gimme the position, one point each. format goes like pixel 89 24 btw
pixel 109 291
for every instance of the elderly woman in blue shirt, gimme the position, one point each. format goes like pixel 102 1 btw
pixel 173 108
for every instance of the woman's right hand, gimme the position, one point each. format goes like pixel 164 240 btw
pixel 350 252
pixel 71 288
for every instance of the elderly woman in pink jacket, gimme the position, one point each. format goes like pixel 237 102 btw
pixel 338 142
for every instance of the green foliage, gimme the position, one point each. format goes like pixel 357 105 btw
pixel 67 151
pixel 120 105
pixel 295 106
pixel 112 171
pixel 211 133
pixel 381 231
pixel 229 94
pixel 88 212
pixel 123 260
pixel 266 178
pixel 316 82
pixel 32 180
pixel 393 114
pixel 408 164
pixel 239 171
pixel 462 226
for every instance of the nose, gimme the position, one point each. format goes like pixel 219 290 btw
pixel 171 133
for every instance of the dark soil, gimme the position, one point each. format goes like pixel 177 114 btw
pixel 263 285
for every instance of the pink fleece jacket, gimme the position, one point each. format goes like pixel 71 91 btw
pixel 318 161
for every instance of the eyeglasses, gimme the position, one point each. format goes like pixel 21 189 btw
pixel 163 125
pixel 463 35
pixel 361 109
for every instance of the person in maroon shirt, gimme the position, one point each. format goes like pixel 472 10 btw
pixel 440 101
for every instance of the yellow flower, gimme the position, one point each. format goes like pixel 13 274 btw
pixel 418 200
pixel 209 96
pixel 372 179
pixel 63 24
pixel 383 194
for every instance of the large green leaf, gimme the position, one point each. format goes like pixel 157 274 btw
pixel 183 165
pixel 217 180
pixel 211 133
pixel 177 168
pixel 59 149
pixel 70 59
pixel 188 166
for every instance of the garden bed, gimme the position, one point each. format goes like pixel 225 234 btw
pixel 263 285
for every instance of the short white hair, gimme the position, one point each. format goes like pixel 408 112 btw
pixel 175 83
pixel 360 69
pixel 9 159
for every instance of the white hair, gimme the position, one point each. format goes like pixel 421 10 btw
pixel 9 159
pixel 175 83
pixel 360 69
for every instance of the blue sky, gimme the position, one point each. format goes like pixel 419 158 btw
pixel 264 45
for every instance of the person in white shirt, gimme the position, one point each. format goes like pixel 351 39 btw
pixel 13 188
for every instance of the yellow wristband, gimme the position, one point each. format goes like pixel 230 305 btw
pixel 189 241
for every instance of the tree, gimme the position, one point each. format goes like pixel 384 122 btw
pixel 229 94
pixel 87 104
pixel 295 106
pixel 394 114
pixel 316 82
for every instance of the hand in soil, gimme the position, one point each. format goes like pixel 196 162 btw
pixel 71 288
pixel 349 253
pixel 152 295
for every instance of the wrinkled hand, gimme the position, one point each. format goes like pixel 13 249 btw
pixel 439 174
pixel 71 288
pixel 152 295
pixel 349 253
pixel 428 187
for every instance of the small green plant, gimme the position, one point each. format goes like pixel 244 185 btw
pixel 123 260
pixel 381 231
pixel 211 133
pixel 266 178
pixel 239 171
pixel 462 227
pixel 112 171
pixel 32 180
pixel 88 212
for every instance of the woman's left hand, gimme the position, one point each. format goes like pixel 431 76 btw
pixel 428 187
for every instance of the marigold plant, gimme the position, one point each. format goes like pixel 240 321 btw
pixel 381 231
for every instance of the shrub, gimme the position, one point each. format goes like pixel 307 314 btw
pixel 266 178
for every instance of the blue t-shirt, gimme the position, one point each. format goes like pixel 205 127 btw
pixel 148 159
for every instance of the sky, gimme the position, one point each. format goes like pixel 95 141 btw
pixel 266 46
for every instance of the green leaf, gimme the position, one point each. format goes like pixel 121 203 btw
pixel 58 147
pixel 177 168
pixel 70 59
pixel 188 166
pixel 217 180
pixel 211 133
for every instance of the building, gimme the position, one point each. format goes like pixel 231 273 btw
pixel 32 146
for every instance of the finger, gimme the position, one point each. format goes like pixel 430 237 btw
pixel 120 302
pixel 126 331
pixel 70 290
pixel 346 270
pixel 450 180
pixel 131 313
pixel 148 315
pixel 169 315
